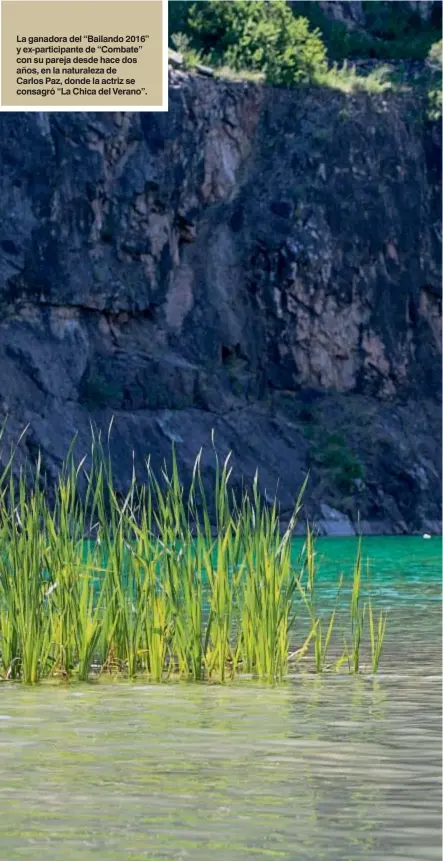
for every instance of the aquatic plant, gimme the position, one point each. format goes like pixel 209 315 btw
pixel 320 640
pixel 377 631
pixel 357 612
pixel 95 581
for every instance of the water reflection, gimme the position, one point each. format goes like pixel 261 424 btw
pixel 336 768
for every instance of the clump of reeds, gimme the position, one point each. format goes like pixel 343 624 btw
pixel 153 590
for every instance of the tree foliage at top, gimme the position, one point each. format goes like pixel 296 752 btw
pixel 290 43
pixel 261 36
pixel 393 31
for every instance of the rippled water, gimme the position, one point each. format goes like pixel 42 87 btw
pixel 340 768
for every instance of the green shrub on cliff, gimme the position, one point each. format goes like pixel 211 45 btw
pixel 288 41
pixel 434 64
pixel 334 460
pixel 182 44
pixel 260 37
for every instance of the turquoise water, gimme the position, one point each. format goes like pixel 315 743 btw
pixel 339 767
pixel 401 568
pixel 405 569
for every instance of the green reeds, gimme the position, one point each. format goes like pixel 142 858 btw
pixel 321 639
pixel 377 631
pixel 377 636
pixel 357 612
pixel 93 581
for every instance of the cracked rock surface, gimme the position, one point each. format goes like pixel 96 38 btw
pixel 259 262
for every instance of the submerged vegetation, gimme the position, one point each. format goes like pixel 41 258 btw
pixel 93 582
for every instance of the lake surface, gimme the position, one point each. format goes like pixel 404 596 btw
pixel 337 767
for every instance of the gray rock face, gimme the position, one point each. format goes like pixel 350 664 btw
pixel 333 522
pixel 350 13
pixel 259 262
pixel 353 14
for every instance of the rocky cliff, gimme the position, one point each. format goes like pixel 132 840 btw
pixel 259 262
pixel 353 12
